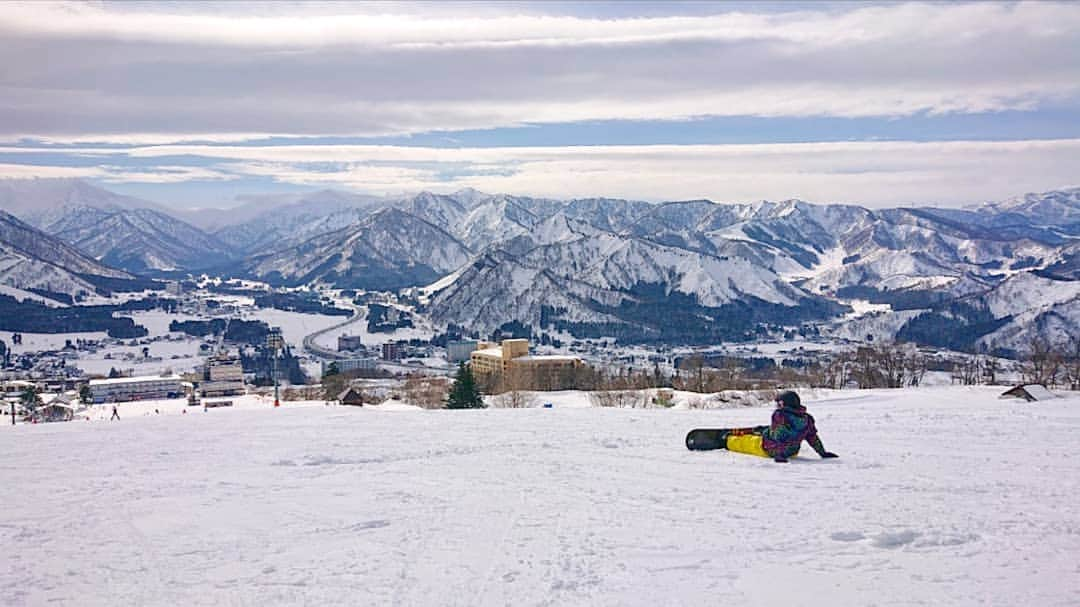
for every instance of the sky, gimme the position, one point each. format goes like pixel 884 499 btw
pixel 192 104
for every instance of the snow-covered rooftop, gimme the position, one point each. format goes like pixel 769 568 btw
pixel 545 357
pixel 133 380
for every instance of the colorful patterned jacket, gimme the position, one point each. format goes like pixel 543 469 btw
pixel 790 427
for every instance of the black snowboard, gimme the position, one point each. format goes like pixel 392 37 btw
pixel 705 439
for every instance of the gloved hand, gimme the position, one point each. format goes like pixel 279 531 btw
pixel 828 455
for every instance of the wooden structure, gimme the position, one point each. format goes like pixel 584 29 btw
pixel 351 396
pixel 1029 392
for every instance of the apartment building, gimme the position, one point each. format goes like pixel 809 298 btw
pixel 510 366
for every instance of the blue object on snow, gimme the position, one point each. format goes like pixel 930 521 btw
pixel 547 405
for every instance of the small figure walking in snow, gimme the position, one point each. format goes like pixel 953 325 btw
pixel 115 414
pixel 791 425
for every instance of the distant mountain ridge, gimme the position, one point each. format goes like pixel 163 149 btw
pixel 122 231
pixel 594 265
pixel 643 271
pixel 34 263
pixel 387 250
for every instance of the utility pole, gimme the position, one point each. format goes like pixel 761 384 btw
pixel 275 342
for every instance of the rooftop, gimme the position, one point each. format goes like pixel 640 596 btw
pixel 133 380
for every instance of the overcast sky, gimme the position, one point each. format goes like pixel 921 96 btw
pixel 877 104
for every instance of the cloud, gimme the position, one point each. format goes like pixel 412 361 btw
pixel 875 174
pixel 356 176
pixel 187 74
pixel 162 174
pixel 33 171
pixel 113 173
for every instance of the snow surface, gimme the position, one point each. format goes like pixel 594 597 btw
pixel 295 326
pixel 423 330
pixel 328 505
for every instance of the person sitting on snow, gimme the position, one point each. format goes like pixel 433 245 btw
pixel 791 425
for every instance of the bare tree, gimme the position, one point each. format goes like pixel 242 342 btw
pixel 967 370
pixel 888 365
pixel 1071 363
pixel 990 369
pixel 835 372
pixel 426 392
pixel 514 394
pixel 1042 364
pixel 865 370
pixel 915 366
pixel 695 368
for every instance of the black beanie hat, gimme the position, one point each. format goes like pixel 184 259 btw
pixel 789 399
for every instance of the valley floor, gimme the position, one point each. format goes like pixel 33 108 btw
pixel 942 496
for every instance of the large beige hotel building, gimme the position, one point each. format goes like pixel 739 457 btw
pixel 494 365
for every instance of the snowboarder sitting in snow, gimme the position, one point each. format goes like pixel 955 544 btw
pixel 791 425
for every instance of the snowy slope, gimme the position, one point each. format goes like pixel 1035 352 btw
pixel 329 506
pixel 121 231
pixel 584 275
pixel 41 202
pixel 1038 307
pixel 31 259
pixel 389 249
pixel 267 223
pixel 1060 208
pixel 141 240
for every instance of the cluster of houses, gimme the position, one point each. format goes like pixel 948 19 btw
pixel 493 364
pixel 58 398
pixel 390 351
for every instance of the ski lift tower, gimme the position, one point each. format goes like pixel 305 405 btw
pixel 275 343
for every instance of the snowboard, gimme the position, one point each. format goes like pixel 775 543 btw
pixel 705 439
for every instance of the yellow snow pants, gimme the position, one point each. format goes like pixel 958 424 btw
pixel 747 443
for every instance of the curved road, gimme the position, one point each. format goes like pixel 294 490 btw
pixel 315 349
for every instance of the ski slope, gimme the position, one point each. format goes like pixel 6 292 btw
pixel 941 496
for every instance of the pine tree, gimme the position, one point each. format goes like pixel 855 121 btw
pixel 333 382
pixel 30 398
pixel 464 393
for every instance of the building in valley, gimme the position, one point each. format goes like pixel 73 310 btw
pixel 223 375
pixel 509 366
pixel 460 351
pixel 123 389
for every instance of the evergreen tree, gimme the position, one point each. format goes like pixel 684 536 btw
pixel 333 382
pixel 30 398
pixel 85 395
pixel 464 394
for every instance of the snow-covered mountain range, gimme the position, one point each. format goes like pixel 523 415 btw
pixel 262 224
pixel 121 231
pixel 38 266
pixel 702 270
pixel 387 250
pixel 675 271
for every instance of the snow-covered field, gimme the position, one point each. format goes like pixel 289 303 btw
pixel 359 328
pixel 941 496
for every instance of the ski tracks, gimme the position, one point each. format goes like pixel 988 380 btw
pixel 498 562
